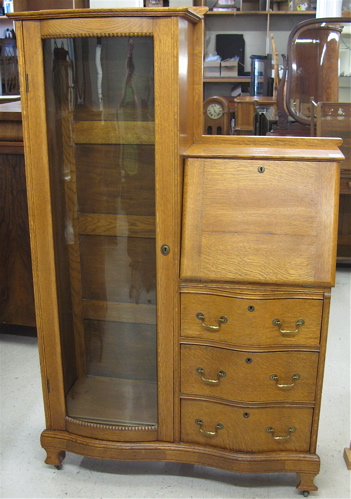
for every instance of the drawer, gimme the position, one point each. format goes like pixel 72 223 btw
pixel 248 376
pixel 246 429
pixel 250 322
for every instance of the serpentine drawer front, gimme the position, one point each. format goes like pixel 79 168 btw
pixel 246 428
pixel 248 376
pixel 251 321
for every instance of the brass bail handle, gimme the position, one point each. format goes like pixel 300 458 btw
pixel 219 426
pixel 299 323
pixel 220 374
pixel 271 430
pixel 222 320
pixel 274 377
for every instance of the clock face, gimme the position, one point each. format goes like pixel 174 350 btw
pixel 214 111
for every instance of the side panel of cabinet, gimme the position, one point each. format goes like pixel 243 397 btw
pixel 40 222
pixel 190 104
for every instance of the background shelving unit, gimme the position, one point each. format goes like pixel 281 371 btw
pixel 256 25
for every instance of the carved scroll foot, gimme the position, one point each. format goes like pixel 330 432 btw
pixel 55 457
pixel 306 483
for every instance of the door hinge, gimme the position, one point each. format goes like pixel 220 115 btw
pixel 27 83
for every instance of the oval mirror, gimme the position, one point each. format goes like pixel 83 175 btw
pixel 313 64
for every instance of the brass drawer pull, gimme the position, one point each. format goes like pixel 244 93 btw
pixel 291 430
pixel 220 375
pixel 299 322
pixel 274 377
pixel 219 426
pixel 222 320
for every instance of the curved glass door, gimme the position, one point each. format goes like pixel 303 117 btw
pixel 100 111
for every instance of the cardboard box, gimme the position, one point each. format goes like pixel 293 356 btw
pixel 212 69
pixel 229 68
pixel 252 5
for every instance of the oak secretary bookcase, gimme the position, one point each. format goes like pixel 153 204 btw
pixel 181 317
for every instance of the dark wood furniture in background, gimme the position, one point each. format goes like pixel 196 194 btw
pixel 16 285
pixel 245 112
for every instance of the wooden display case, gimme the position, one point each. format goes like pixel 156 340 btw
pixel 149 241
pixel 109 210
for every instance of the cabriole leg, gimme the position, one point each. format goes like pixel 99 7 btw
pixel 55 457
pixel 306 483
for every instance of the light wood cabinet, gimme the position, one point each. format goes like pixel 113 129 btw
pixel 182 282
pixel 258 260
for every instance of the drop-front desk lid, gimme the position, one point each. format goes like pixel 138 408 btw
pixel 261 211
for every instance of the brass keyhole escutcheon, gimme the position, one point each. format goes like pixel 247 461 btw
pixel 165 249
pixel 261 169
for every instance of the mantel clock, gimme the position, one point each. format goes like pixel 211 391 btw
pixel 216 116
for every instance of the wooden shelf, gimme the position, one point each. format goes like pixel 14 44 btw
pixel 294 12
pixel 119 312
pixel 106 132
pixel 236 12
pixel 113 401
pixel 260 12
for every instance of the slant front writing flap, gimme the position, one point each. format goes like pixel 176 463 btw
pixel 259 221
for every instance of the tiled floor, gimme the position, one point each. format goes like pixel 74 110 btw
pixel 24 474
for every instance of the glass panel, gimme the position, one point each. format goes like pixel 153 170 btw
pixel 100 109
